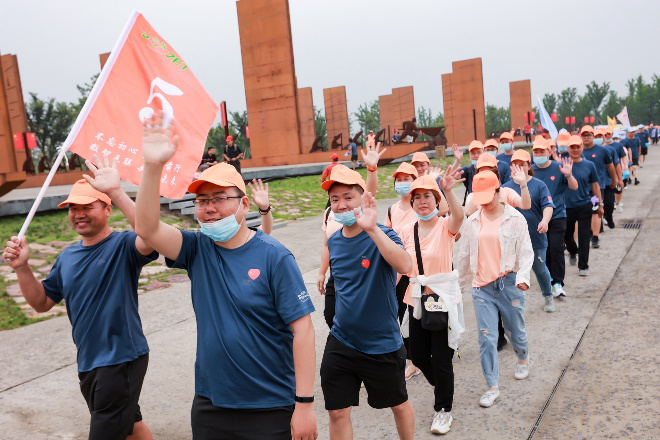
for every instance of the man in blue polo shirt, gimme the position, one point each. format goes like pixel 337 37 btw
pixel 579 206
pixel 601 158
pixel 364 345
pixel 98 279
pixel 558 177
pixel 633 145
pixel 255 366
pixel 506 142
pixel 609 194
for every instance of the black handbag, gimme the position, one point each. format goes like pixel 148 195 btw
pixel 433 318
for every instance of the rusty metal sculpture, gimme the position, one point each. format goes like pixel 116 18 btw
pixel 337 142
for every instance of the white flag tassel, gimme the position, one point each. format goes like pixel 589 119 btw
pixel 546 122
pixel 80 119
pixel 623 117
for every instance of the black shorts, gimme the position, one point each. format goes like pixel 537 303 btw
pixel 112 395
pixel 635 161
pixel 343 369
pixel 354 158
pixel 212 423
pixel 645 151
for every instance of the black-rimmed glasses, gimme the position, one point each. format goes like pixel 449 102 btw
pixel 203 203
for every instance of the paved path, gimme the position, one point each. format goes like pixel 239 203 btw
pixel 597 354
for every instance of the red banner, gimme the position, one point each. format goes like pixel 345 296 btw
pixel 145 74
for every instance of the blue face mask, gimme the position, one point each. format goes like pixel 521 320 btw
pixel 494 153
pixel 222 230
pixel 402 188
pixel 598 141
pixel 540 160
pixel 474 162
pixel 347 218
pixel 507 147
pixel 563 148
pixel 428 217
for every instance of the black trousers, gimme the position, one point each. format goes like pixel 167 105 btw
pixel 401 288
pixel 554 256
pixel 330 300
pixel 608 202
pixel 528 137
pixel 581 215
pixel 431 354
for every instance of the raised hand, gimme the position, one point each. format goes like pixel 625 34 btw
pixel 259 194
pixel 566 166
pixel 106 177
pixel 373 155
pixel 458 153
pixel 367 220
pixel 158 143
pixel 518 175
pixel 451 178
pixel 435 172
pixel 16 253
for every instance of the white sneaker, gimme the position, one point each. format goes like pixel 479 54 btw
pixel 489 398
pixel 619 208
pixel 560 290
pixel 412 371
pixel 441 422
pixel 522 371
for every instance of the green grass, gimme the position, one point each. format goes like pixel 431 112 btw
pixel 45 227
pixel 11 315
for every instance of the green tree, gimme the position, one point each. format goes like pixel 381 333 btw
pixel 550 102
pixel 216 138
pixel 368 116
pixel 84 90
pixel 613 106
pixel 497 119
pixel 567 100
pixel 320 128
pixel 425 118
pixel 50 121
pixel 595 96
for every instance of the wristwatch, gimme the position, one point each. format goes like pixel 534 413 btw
pixel 304 399
pixel 264 212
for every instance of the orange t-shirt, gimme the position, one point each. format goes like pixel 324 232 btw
pixel 437 251
pixel 489 253
pixel 400 218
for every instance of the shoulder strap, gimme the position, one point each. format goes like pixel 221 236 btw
pixel 466 182
pixel 389 213
pixel 327 214
pixel 418 250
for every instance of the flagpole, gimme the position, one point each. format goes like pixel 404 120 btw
pixel 91 99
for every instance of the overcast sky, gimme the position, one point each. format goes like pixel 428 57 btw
pixel 369 46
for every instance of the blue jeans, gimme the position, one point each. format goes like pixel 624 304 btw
pixel 501 295
pixel 541 271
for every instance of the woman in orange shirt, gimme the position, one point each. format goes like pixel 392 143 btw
pixel 433 237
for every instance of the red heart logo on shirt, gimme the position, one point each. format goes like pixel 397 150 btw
pixel 552 177
pixel 593 155
pixel 254 274
pixel 366 263
pixel 550 198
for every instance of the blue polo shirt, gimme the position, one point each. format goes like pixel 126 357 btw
pixel 99 284
pixel 541 199
pixel 244 301
pixel 505 158
pixel 600 157
pixel 585 173
pixel 613 154
pixel 633 145
pixel 557 184
pixel 366 309
pixel 618 148
pixel 353 149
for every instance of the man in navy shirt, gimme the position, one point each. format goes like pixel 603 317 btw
pixel 354 154
pixel 633 145
pixel 364 345
pixel 558 178
pixel 98 278
pixel 579 206
pixel 506 142
pixel 601 158
pixel 643 136
pixel 609 196
pixel 255 366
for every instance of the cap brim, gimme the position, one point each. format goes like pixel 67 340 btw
pixel 325 186
pixel 78 200
pixel 483 197
pixel 193 187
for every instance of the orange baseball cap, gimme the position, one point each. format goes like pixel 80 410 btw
pixel 537 145
pixel 550 143
pixel 475 145
pixel 574 140
pixel 562 138
pixel 484 185
pixel 524 155
pixel 599 131
pixel 420 157
pixel 221 174
pixel 506 135
pixel 82 193
pixel 538 138
pixel 587 129
pixel 486 160
pixel 426 182
pixel 491 143
pixel 406 168
pixel 343 174
pixel 608 130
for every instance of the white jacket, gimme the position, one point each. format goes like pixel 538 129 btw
pixel 446 286
pixel 517 252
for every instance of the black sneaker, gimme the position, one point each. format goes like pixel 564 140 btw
pixel 572 259
pixel 595 242
pixel 636 181
pixel 501 342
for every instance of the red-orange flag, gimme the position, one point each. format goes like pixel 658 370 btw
pixel 142 75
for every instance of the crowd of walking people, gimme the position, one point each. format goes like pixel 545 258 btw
pixel 392 290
